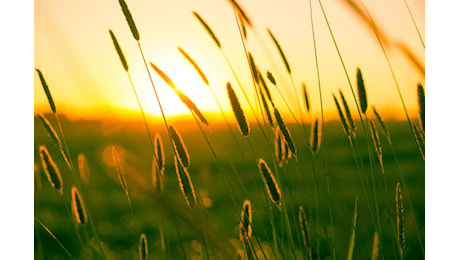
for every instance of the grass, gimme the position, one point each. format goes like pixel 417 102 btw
pixel 319 178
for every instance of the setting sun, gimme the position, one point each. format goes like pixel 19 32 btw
pixel 229 129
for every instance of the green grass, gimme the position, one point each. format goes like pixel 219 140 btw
pixel 119 230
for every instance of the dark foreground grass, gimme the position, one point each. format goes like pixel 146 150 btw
pixel 119 229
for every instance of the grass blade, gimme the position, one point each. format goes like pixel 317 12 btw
pixel 286 64
pixel 351 242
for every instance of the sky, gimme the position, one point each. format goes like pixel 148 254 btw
pixel 73 49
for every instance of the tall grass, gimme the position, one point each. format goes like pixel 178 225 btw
pixel 200 232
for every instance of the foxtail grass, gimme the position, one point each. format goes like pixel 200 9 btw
pixel 237 110
pixel 83 168
pixel 246 219
pixel 185 183
pixel 375 247
pixel 361 91
pixel 143 247
pixel 78 207
pixel 208 29
pixel 50 130
pixel 51 169
pixel 280 148
pixel 254 70
pixel 195 65
pixel 315 137
pixel 241 12
pixel 159 152
pixel 400 220
pixel 285 132
pixel 129 19
pixel 119 51
pixel 345 126
pixel 285 61
pixel 270 182
pixel 421 105
pixel 350 120
pixel 306 98
pixel 186 100
pixel 377 145
pixel 305 231
pixel 382 124
pixel 180 148
pixel 418 138
pixel 47 91
pixel 246 244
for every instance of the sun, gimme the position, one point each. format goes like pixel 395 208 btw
pixel 184 78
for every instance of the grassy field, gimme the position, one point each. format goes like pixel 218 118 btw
pixel 163 218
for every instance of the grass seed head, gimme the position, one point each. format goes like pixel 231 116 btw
pixel 400 219
pixel 119 51
pixel 51 170
pixel 50 130
pixel 157 177
pixel 47 91
pixel 254 70
pixel 280 151
pixel 350 120
pixel 129 19
pixel 285 132
pixel 271 78
pixel 159 152
pixel 179 146
pixel 305 230
pixel 195 65
pixel 345 125
pixel 237 110
pixel 307 100
pixel 361 91
pixel 143 247
pixel 83 167
pixel 185 183
pixel 163 76
pixel 270 182
pixel 241 12
pixel 246 218
pixel 208 29
pixel 78 207
pixel 286 64
pixel 381 124
pixel 421 105
pixel 377 145
pixel 315 137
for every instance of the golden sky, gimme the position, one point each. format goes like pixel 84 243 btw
pixel 74 51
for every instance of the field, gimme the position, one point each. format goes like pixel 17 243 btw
pixel 119 229
pixel 269 138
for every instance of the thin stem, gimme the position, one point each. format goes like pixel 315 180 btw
pixel 54 237
pixel 415 25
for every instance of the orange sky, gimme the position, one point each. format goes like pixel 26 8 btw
pixel 74 51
